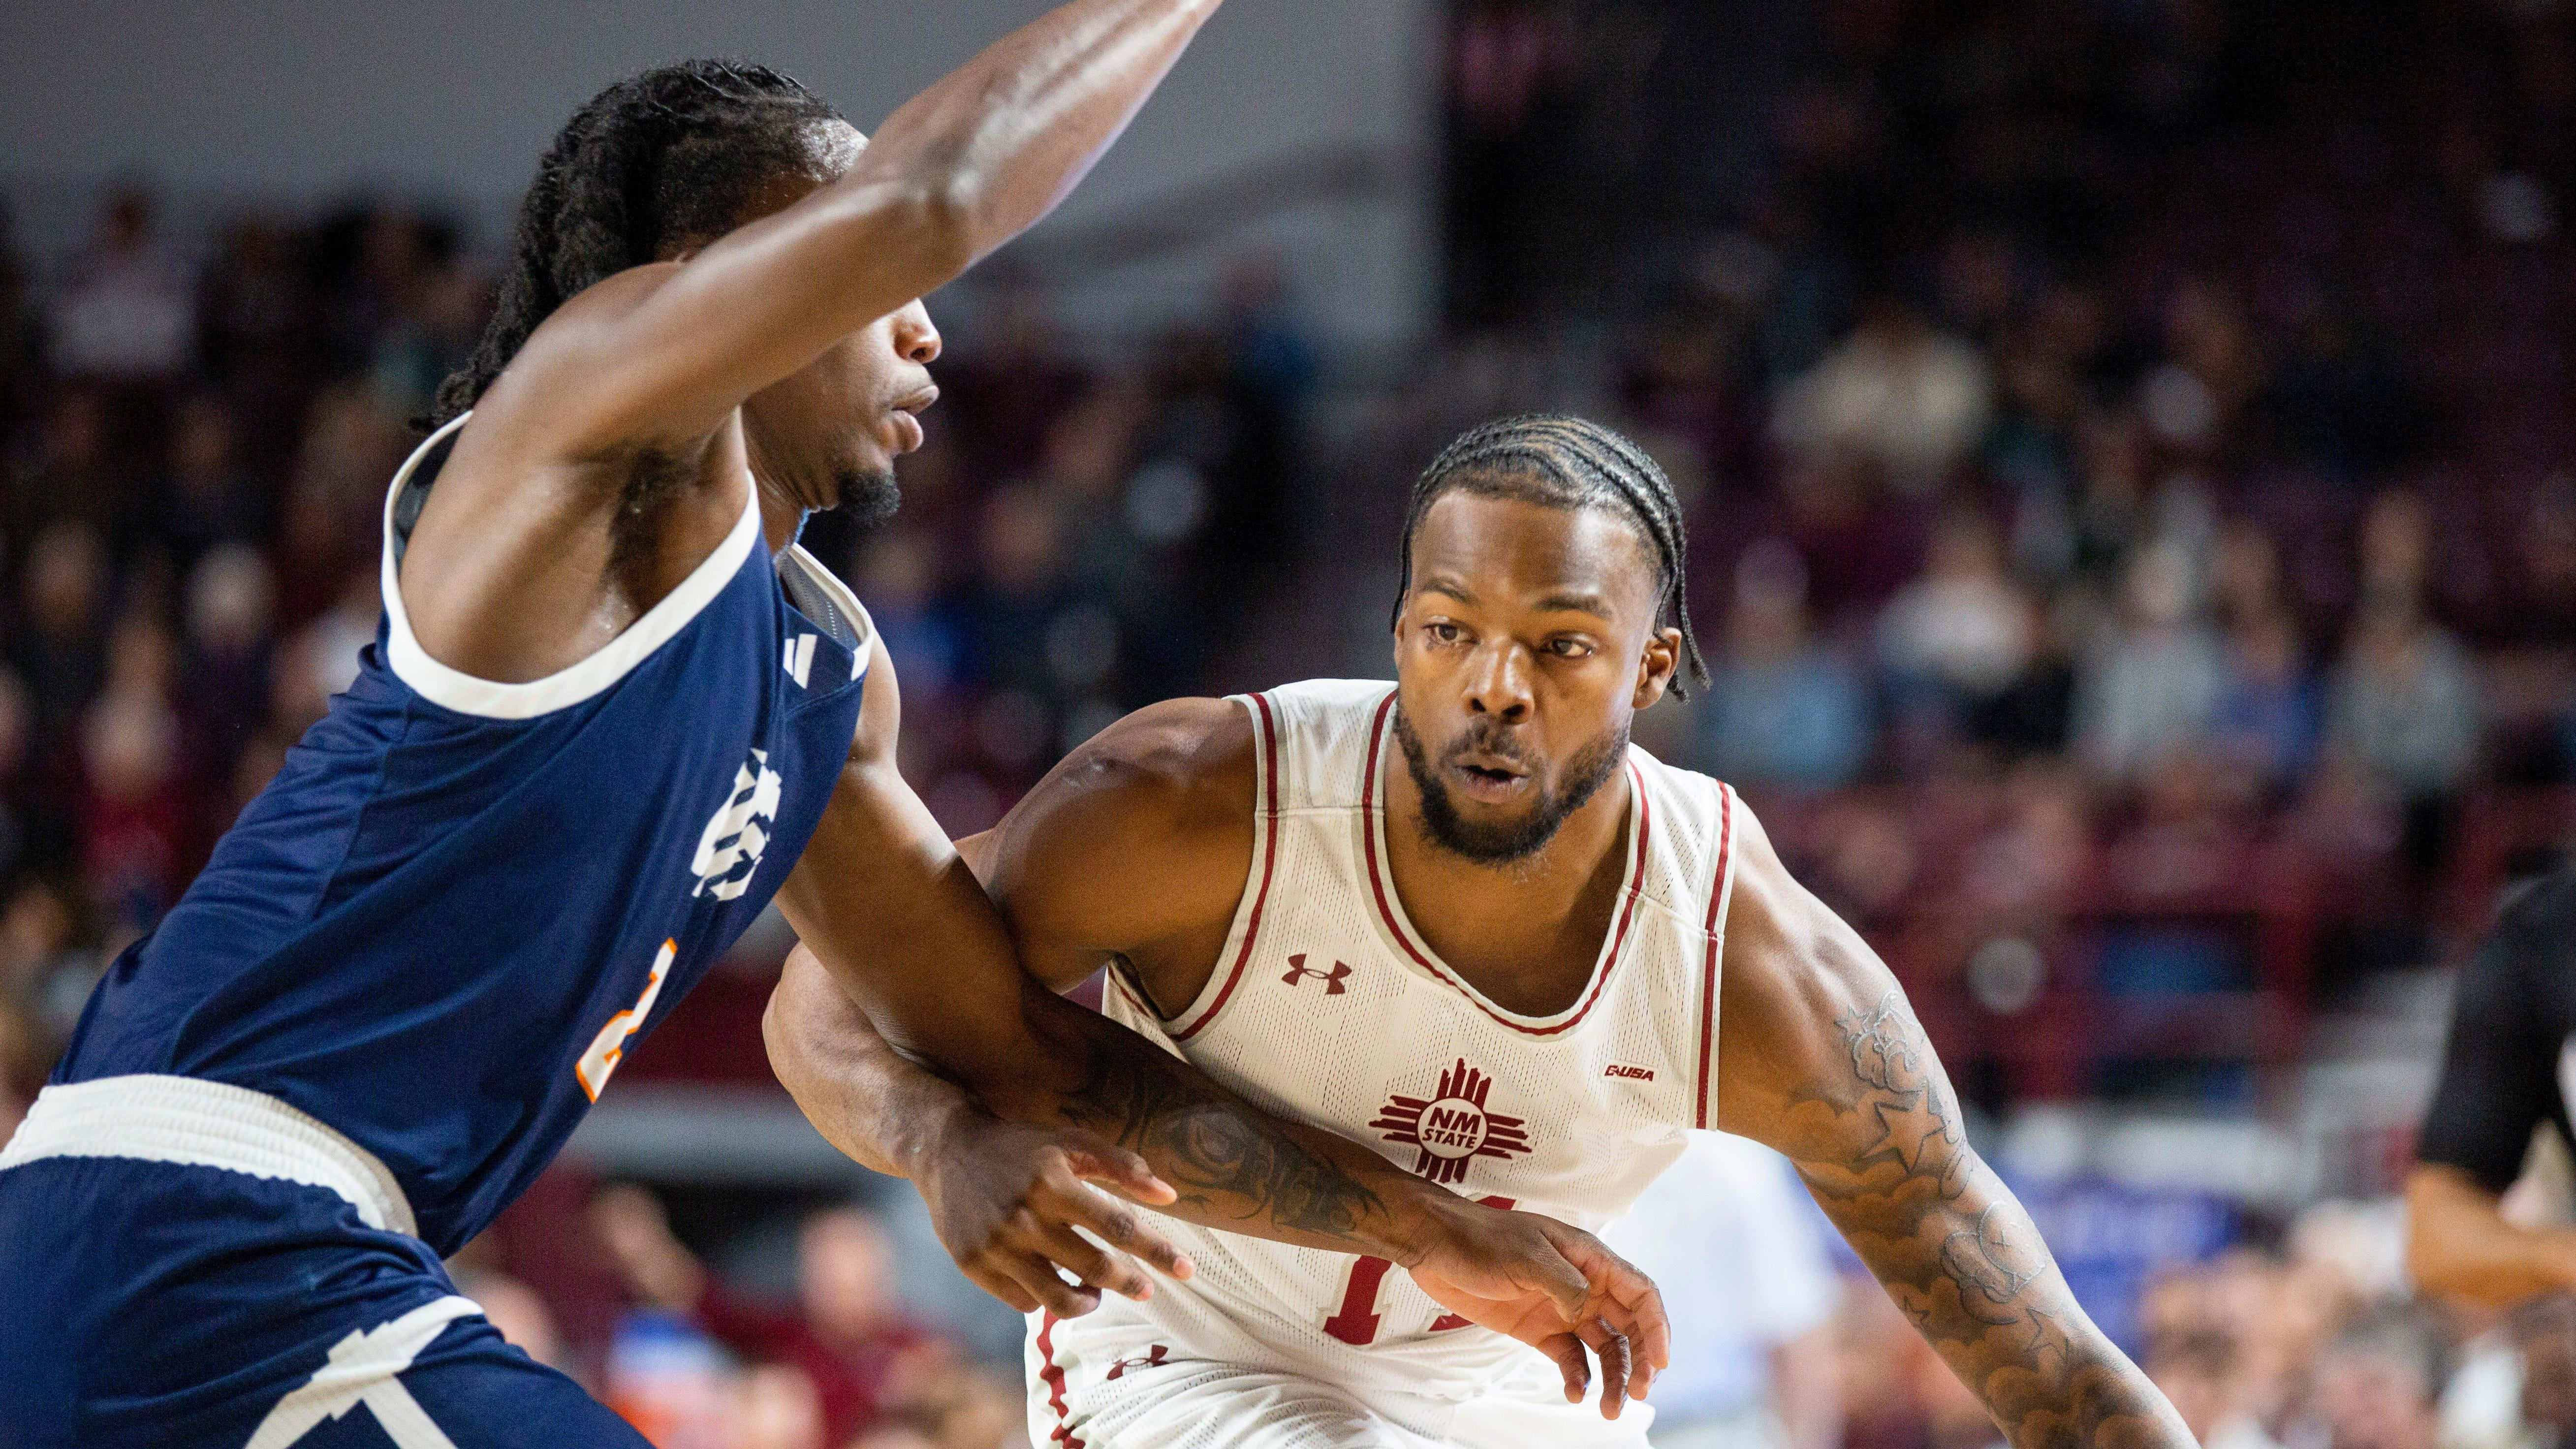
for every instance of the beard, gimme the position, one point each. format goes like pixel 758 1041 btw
pixel 1507 842
pixel 868 499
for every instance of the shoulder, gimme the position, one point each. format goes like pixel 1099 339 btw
pixel 1791 964
pixel 1169 786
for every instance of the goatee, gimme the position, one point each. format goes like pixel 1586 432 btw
pixel 869 499
pixel 1505 842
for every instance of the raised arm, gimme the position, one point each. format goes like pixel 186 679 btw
pixel 1821 1058
pixel 1128 849
pixel 658 356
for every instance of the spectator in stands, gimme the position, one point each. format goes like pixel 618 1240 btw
pixel 127 311
pixel 2270 708
pixel 2406 709
pixel 206 496
pixel 76 475
pixel 1782 708
pixel 847 1333
pixel 2378 1383
pixel 227 694
pixel 61 649
pixel 1908 399
pixel 1963 631
pixel 2154 688
pixel 2203 1373
pixel 776 1406
pixel 26 1054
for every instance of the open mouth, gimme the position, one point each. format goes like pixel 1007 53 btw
pixel 1483 777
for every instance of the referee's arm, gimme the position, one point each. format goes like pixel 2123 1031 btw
pixel 2498 1083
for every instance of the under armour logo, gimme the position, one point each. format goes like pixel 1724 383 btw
pixel 738 832
pixel 1299 971
pixel 1153 1359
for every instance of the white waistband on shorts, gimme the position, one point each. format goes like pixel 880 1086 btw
pixel 207 1124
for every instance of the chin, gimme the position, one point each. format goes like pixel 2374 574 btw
pixel 869 497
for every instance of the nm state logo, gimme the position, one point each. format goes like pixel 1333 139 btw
pixel 1452 1126
pixel 730 849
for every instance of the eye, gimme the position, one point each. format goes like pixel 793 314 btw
pixel 1442 631
pixel 1569 648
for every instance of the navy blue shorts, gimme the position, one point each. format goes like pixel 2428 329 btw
pixel 153 1306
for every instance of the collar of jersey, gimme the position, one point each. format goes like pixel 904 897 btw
pixel 465 694
pixel 1418 952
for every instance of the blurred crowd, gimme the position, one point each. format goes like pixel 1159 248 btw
pixel 2132 463
pixel 2130 453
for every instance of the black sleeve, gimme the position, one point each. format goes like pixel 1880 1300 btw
pixel 2500 1067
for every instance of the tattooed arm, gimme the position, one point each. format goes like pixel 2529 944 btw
pixel 1135 852
pixel 1821 1058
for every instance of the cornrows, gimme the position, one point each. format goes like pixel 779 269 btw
pixel 1564 462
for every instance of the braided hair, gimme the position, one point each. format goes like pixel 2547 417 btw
pixel 652 166
pixel 1564 462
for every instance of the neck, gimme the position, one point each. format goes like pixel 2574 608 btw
pixel 1525 933
pixel 780 516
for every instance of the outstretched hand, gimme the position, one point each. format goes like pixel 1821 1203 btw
pixel 1556 1289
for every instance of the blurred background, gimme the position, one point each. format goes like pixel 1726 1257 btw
pixel 2130 451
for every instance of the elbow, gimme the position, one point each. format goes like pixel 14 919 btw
pixel 941 210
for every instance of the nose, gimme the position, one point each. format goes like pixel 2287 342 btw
pixel 915 339
pixel 1498 683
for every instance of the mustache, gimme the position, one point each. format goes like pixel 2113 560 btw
pixel 1486 736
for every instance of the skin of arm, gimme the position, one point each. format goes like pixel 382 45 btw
pixel 1822 1059
pixel 644 371
pixel 1136 847
pixel 2459 1244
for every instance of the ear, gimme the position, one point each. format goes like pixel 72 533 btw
pixel 1655 667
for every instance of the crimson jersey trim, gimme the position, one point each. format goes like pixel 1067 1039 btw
pixel 1371 817
pixel 1268 808
pixel 1721 888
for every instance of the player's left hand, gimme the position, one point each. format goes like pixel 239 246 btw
pixel 1557 1289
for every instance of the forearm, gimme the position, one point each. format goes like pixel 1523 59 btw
pixel 879 1108
pixel 2459 1245
pixel 1234 1166
pixel 1885 1154
pixel 1003 138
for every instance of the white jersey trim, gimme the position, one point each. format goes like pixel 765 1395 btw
pixel 465 694
pixel 848 603
pixel 1390 908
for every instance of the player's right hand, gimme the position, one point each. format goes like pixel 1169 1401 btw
pixel 1555 1288
pixel 1006 1198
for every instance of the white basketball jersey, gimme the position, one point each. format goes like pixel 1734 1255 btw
pixel 1328 1008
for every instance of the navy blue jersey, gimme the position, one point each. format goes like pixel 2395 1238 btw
pixel 460 902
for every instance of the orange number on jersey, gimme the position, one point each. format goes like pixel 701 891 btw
pixel 609 1047
pixel 1356 1323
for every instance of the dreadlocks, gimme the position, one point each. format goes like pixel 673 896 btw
pixel 1563 462
pixel 650 167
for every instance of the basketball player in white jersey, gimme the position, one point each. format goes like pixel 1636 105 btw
pixel 1462 920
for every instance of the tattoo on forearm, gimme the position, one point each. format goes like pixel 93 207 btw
pixel 1215 1153
pixel 1885 1153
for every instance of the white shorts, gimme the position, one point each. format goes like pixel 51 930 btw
pixel 1100 1385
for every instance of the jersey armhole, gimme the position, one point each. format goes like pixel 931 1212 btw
pixel 1721 891
pixel 1256 886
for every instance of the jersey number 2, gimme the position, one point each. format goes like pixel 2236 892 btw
pixel 1356 1323
pixel 609 1047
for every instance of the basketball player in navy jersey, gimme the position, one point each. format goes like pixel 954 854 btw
pixel 612 712
pixel 1459 917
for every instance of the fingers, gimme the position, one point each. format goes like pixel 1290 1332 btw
pixel 1037 1279
pixel 1626 1297
pixel 1112 1222
pixel 1611 1347
pixel 1092 1264
pixel 1116 1168
pixel 1566 1351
